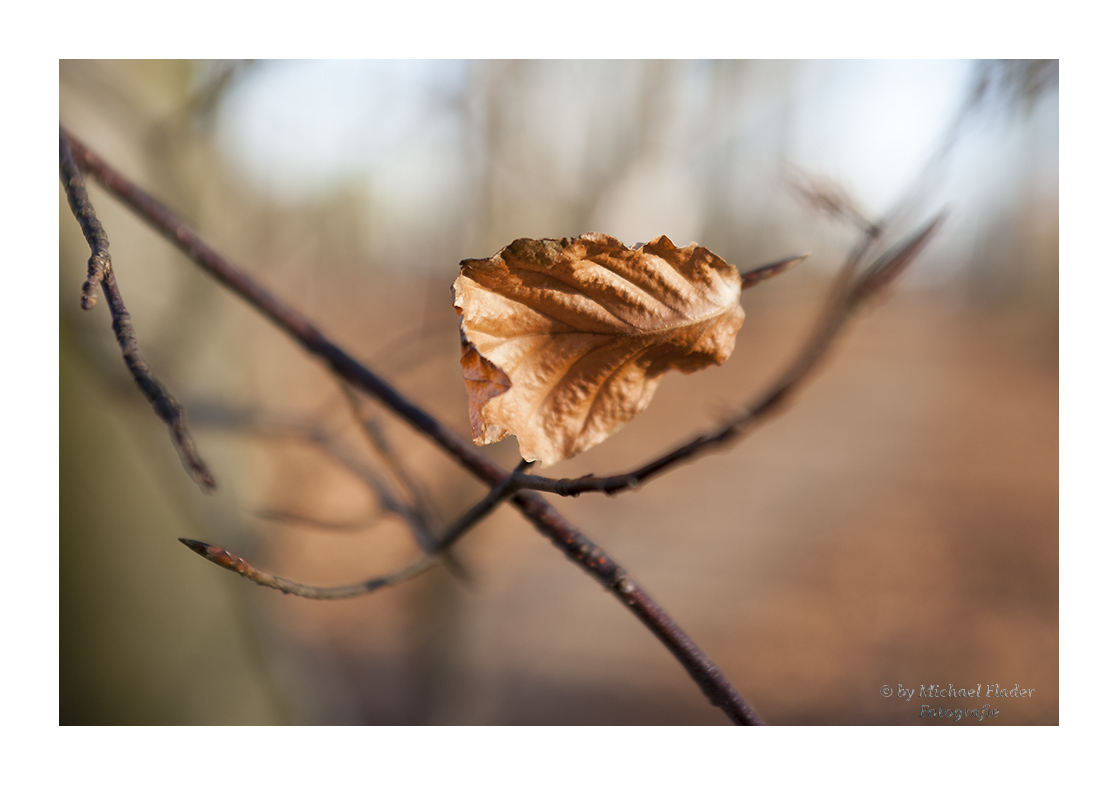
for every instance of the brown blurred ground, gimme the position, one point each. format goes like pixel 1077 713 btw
pixel 897 525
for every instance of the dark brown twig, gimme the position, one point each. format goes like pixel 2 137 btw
pixel 223 558
pixel 545 518
pixel 498 494
pixel 101 272
pixel 767 271
pixel 850 291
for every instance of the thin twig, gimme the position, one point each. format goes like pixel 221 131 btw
pixel 271 426
pixel 890 264
pixel 101 272
pixel 766 271
pixel 422 517
pixel 230 561
pixel 223 558
pixel 375 436
pixel 833 200
pixel 850 291
pixel 498 493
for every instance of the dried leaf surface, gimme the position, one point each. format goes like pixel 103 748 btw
pixel 564 341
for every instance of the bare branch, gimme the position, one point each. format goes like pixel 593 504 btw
pixel 101 272
pixel 543 516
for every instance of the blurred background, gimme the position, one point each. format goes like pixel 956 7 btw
pixel 898 525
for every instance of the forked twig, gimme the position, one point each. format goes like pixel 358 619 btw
pixel 545 518
pixel 101 272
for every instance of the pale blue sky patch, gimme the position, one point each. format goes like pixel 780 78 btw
pixel 298 128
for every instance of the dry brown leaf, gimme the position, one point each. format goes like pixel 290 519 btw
pixel 564 341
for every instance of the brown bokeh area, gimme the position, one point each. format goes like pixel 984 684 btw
pixel 895 526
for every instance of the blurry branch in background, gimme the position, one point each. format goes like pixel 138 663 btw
pixel 249 421
pixel 202 103
pixel 1014 83
pixel 545 518
pixel 422 506
pixel 271 426
pixel 883 270
pixel 1020 83
pixel 223 558
pixel 101 273
pixel 296 519
pixel 831 199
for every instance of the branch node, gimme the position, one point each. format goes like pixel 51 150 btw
pixel 625 587
pixel 100 263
